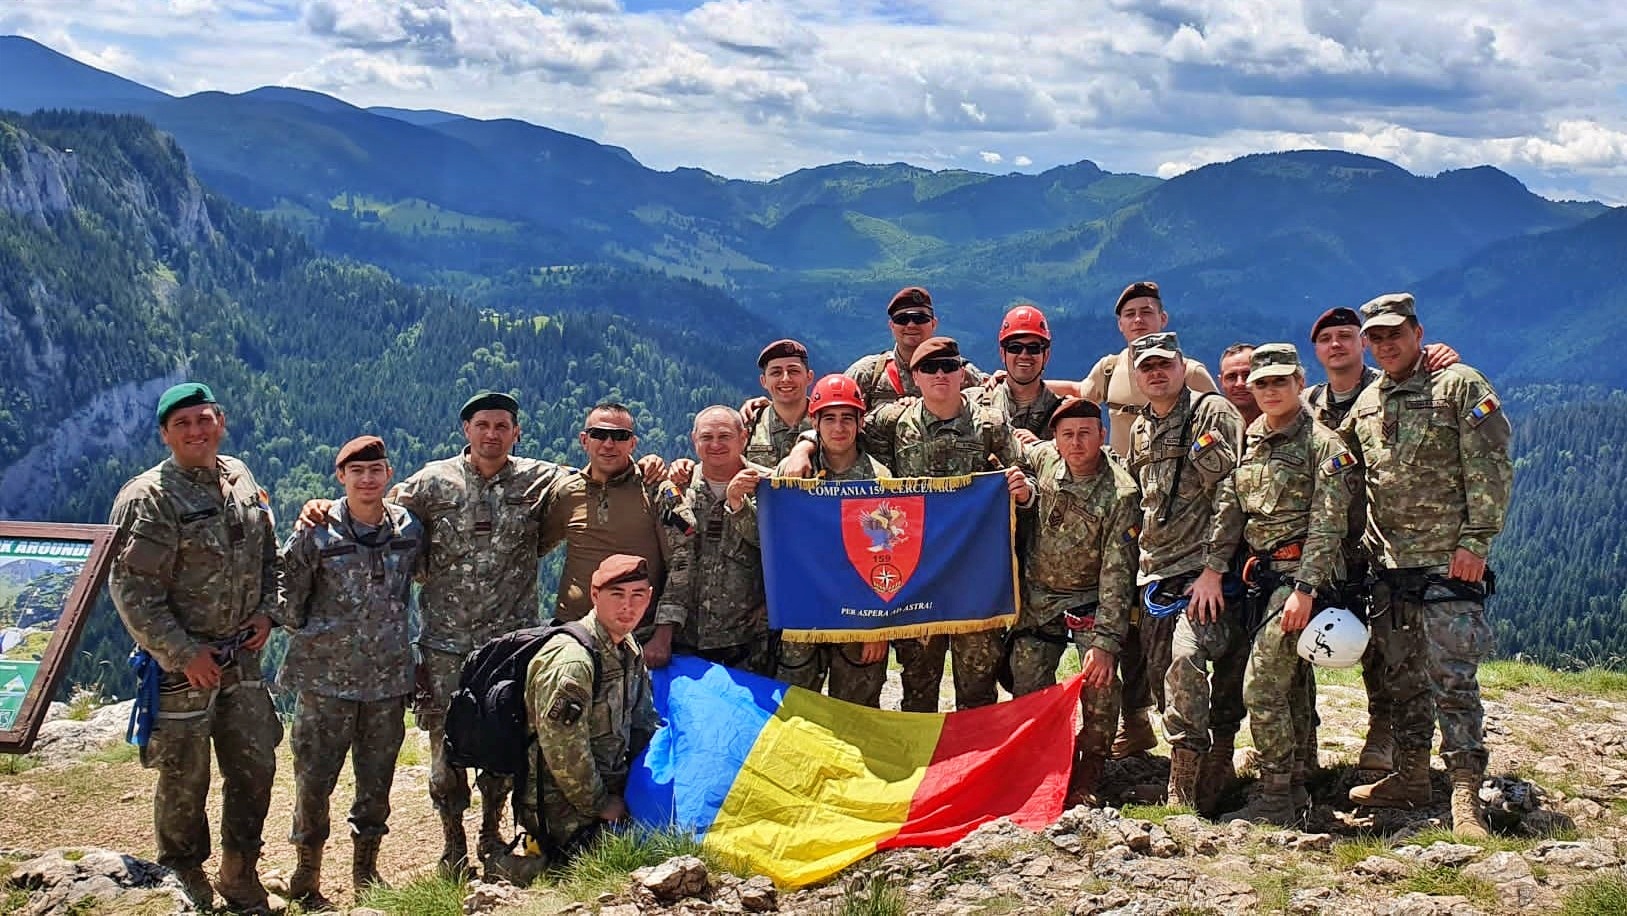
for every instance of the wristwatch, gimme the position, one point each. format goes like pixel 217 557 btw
pixel 1303 587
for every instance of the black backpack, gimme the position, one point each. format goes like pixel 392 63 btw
pixel 487 726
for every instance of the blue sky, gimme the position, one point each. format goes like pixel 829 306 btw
pixel 757 88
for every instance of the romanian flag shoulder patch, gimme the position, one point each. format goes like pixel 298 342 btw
pixel 1133 533
pixel 1483 411
pixel 1340 462
pixel 1203 442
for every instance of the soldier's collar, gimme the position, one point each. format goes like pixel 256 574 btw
pixel 502 472
pixel 1260 429
pixel 202 475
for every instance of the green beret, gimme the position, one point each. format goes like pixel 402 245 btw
pixel 489 400
pixel 186 394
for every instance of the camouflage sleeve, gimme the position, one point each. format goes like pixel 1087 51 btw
pixel 1336 478
pixel 1116 581
pixel 880 428
pixel 1225 527
pixel 142 575
pixel 269 563
pixel 549 509
pixel 999 441
pixel 297 579
pixel 1217 434
pixel 744 522
pixel 409 494
pixel 863 371
pixel 1488 473
pixel 974 376
pixel 561 697
pixel 645 719
pixel 678 592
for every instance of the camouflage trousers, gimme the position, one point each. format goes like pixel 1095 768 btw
pixel 240 722
pixel 449 785
pixel 1133 668
pixel 325 730
pixel 1274 691
pixel 806 664
pixel 1157 644
pixel 756 656
pixel 976 655
pixel 1034 657
pixel 1380 633
pixel 1432 662
pixel 1204 686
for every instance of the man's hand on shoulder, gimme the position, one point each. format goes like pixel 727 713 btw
pixel 653 468
pixel 313 513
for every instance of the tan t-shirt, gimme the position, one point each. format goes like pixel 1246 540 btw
pixel 1112 380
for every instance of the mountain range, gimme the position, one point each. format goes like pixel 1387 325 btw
pixel 342 270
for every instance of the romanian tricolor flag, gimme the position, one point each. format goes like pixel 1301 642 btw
pixel 797 786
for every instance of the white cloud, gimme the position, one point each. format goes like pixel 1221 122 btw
pixel 1022 162
pixel 992 158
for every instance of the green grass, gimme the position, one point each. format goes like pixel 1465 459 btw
pixel 1156 814
pixel 1618 806
pixel 122 752
pixel 81 703
pixel 73 855
pixel 1342 677
pixel 1500 677
pixel 1496 842
pixel 1348 852
pixel 605 866
pixel 411 214
pixel 412 754
pixel 431 895
pixel 1275 888
pixel 1600 897
pixel 1451 882
pixel 870 896
pixel 17 764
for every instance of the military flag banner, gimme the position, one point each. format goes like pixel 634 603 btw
pixel 797 786
pixel 888 559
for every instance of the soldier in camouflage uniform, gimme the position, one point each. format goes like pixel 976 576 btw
pixel 344 594
pixel 195 582
pixel 885 377
pixel 857 670
pixel 587 737
pixel 942 435
pixel 1289 502
pixel 1079 557
pixel 1022 395
pixel 1181 448
pixel 784 368
pixel 1435 449
pixel 721 613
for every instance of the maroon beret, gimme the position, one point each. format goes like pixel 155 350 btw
pixel 935 347
pixel 619 569
pixel 1074 407
pixel 780 349
pixel 1338 316
pixel 910 297
pixel 361 448
pixel 1141 289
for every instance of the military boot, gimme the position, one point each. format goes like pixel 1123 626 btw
pixel 196 884
pixel 491 841
pixel 239 883
pixel 1378 754
pixel 1183 777
pixel 305 885
pixel 1135 735
pixel 1087 775
pixel 1273 805
pixel 454 862
pixel 364 862
pixel 1407 787
pixel 1467 820
pixel 1216 773
pixel 1299 787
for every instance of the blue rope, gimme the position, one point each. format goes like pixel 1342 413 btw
pixel 1155 609
pixel 145 710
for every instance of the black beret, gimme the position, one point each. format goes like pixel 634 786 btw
pixel 1336 317
pixel 361 448
pixel 489 400
pixel 1141 289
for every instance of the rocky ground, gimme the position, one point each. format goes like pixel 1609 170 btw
pixel 75 835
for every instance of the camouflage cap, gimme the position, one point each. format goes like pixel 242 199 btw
pixel 781 349
pixel 1164 343
pixel 186 394
pixel 1074 407
pixel 489 400
pixel 910 297
pixel 1141 289
pixel 1273 359
pixel 1387 311
pixel 935 348
pixel 620 569
pixel 361 448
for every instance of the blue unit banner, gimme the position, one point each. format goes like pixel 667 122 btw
pixel 888 559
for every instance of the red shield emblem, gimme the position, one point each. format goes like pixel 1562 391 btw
pixel 883 540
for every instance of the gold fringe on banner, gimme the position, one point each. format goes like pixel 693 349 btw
pixel 925 484
pixel 913 631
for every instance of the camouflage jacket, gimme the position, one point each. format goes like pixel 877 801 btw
pixel 723 603
pixel 1035 416
pixel 1081 549
pixel 345 601
pixel 480 580
pixel 1201 435
pixel 586 739
pixel 1331 413
pixel 770 439
pixel 1434 449
pixel 915 443
pixel 877 381
pixel 1292 485
pixel 198 560
pixel 866 468
pixel 620 515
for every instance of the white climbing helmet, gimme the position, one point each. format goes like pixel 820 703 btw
pixel 1335 638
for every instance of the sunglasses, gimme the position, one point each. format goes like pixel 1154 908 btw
pixel 613 433
pixel 903 318
pixel 937 366
pixel 1032 349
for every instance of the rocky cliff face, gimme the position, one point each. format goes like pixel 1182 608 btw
pixel 34 177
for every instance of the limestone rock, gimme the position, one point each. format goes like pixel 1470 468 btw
pixel 1499 868
pixel 1566 854
pixel 758 895
pixel 1381 868
pixel 1416 904
pixel 675 879
pixel 63 881
pixel 64 740
pixel 1440 855
pixel 483 897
